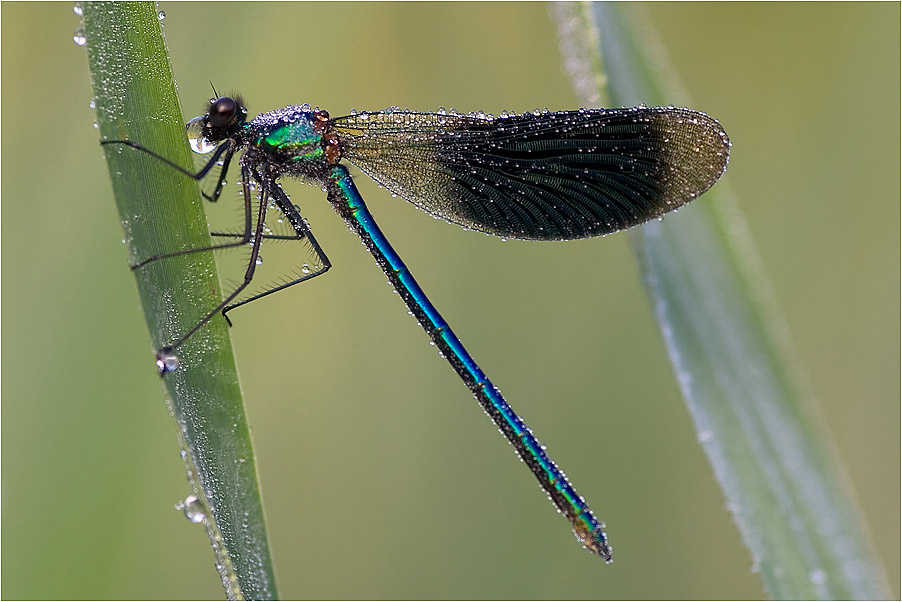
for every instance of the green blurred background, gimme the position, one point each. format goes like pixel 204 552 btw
pixel 381 476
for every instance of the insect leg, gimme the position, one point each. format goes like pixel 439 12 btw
pixel 255 239
pixel 303 231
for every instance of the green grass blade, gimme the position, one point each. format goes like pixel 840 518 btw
pixel 770 452
pixel 160 209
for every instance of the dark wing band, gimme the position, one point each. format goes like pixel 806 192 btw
pixel 542 176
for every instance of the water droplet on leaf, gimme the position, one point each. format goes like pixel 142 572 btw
pixel 167 362
pixel 193 509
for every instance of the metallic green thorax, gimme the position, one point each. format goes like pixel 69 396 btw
pixel 295 142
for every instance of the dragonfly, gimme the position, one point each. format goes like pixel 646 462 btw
pixel 541 176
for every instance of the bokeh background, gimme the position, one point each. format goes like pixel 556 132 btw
pixel 381 477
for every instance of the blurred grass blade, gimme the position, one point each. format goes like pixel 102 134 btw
pixel 160 209
pixel 770 452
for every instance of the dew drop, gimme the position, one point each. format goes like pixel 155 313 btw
pixel 193 509
pixel 200 145
pixel 79 37
pixel 77 9
pixel 167 362
pixel 161 15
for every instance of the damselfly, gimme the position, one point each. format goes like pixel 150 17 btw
pixel 536 176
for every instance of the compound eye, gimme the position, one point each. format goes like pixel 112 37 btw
pixel 223 111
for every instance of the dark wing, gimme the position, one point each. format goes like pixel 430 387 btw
pixel 541 176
